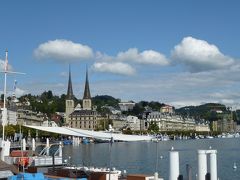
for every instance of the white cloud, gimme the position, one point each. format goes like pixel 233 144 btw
pixel 178 89
pixel 153 57
pixel 117 64
pixel 182 103
pixel 216 76
pixel 227 101
pixel 2 65
pixel 175 88
pixel 199 55
pixel 225 95
pixel 38 87
pixel 19 92
pixel 114 67
pixel 133 55
pixel 63 50
pixel 64 74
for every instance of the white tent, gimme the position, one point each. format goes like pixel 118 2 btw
pixel 93 134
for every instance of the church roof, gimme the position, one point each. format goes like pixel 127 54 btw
pixel 70 90
pixel 81 112
pixel 87 94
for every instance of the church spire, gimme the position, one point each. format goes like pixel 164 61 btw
pixel 69 91
pixel 87 94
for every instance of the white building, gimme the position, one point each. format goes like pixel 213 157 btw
pixel 125 106
pixel 49 124
pixel 11 117
pixel 170 122
pixel 202 127
pixel 133 123
pixel 166 109
pixel 28 117
pixel 121 122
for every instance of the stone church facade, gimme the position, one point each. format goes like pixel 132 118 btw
pixel 81 117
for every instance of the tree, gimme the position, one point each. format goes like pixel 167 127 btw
pixel 153 127
pixel 155 105
pixel 9 130
pixel 2 97
pixel 102 100
pixel 137 109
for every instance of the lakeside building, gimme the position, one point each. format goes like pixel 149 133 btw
pixel 28 117
pixel 49 124
pixel 166 109
pixel 58 118
pixel 202 127
pixel 122 122
pixel 170 122
pixel 21 113
pixel 224 123
pixel 133 123
pixel 112 109
pixel 125 106
pixel 118 121
pixel 82 117
pixel 238 128
pixel 119 124
pixel 167 120
pixel 25 114
pixel 11 116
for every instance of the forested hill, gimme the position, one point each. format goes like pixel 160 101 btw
pixel 205 111
pixel 105 100
pixel 49 104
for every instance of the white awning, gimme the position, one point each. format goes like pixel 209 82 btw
pixel 93 134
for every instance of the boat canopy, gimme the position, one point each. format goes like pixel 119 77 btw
pixel 92 134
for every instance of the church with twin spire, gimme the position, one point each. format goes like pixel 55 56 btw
pixel 82 117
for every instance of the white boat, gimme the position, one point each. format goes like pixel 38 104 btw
pixel 165 138
pixel 236 135
pixel 45 155
pixel 234 166
pixel 228 135
pixel 89 170
pixel 209 137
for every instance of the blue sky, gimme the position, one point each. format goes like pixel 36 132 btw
pixel 175 52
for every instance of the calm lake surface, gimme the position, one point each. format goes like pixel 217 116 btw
pixel 141 157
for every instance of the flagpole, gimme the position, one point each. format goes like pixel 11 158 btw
pixel 4 112
pixel 4 105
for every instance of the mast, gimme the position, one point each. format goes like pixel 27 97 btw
pixel 4 112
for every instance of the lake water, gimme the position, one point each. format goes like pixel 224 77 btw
pixel 140 157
